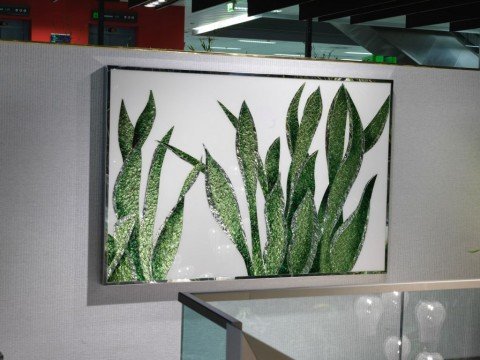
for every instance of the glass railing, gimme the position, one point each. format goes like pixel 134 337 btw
pixel 420 321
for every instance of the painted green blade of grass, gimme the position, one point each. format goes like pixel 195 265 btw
pixel 304 181
pixel 184 156
pixel 191 178
pixel 335 136
pixel 375 129
pixel 144 123
pixel 232 118
pixel 126 190
pixel 110 248
pixel 247 155
pixel 302 250
pixel 124 272
pixel 272 164
pixel 308 127
pixel 344 179
pixel 224 207
pixel 117 244
pixel 147 223
pixel 292 120
pixel 321 214
pixel 125 132
pixel 310 120
pixel 348 240
pixel 167 243
pixel 276 246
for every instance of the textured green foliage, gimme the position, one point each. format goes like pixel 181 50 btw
pixel 335 137
pixel 304 181
pixel 340 187
pixel 125 132
pixel 302 249
pixel 183 155
pixel 224 206
pixel 308 127
pixel 276 246
pixel 127 187
pixel 117 244
pixel 129 252
pixel 247 153
pixel 233 119
pixel 272 164
pixel 144 123
pixel 375 128
pixel 147 223
pixel 310 120
pixel 300 239
pixel 292 120
pixel 348 239
pixel 167 243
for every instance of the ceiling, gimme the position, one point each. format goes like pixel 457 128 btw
pixel 281 33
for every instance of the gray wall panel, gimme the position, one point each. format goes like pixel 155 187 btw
pixel 52 305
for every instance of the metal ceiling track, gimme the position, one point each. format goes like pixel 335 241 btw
pixel 257 7
pixel 465 24
pixel 400 8
pixel 333 10
pixel 447 14
pixel 198 5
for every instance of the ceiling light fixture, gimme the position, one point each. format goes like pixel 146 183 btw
pixel 157 4
pixel 225 48
pixel 358 53
pixel 224 23
pixel 258 41
pixel 292 55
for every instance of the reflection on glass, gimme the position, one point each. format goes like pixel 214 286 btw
pixel 429 356
pixel 369 309
pixel 430 317
pixel 392 348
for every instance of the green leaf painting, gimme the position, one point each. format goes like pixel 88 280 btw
pixel 132 252
pixel 308 227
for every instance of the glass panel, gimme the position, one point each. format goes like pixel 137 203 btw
pixel 443 324
pixel 327 327
pixel 202 339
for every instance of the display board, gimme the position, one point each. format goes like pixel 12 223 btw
pixel 220 175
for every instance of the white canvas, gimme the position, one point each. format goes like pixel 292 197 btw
pixel 187 101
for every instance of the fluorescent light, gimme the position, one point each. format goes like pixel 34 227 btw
pixel 351 59
pixel 258 41
pixel 155 3
pixel 276 11
pixel 293 55
pixel 224 23
pixel 472 46
pixel 224 48
pixel 358 53
pixel 241 8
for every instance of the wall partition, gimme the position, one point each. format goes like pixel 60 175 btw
pixel 53 160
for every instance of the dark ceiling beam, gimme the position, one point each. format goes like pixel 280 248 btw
pixel 198 5
pixel 328 10
pixel 447 14
pixel 465 24
pixel 257 7
pixel 403 8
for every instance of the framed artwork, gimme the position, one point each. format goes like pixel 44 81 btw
pixel 221 175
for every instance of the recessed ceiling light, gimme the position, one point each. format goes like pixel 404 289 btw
pixel 225 48
pixel 224 23
pixel 358 53
pixel 258 41
pixel 155 3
